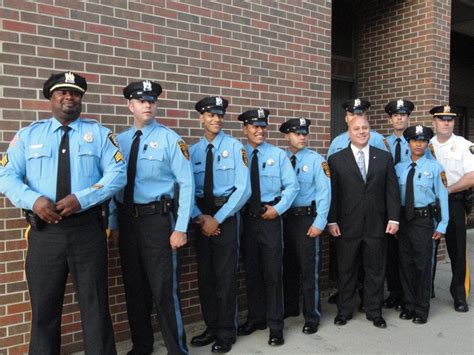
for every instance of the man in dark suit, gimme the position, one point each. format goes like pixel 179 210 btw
pixel 365 205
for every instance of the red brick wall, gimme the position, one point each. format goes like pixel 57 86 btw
pixel 404 52
pixel 255 53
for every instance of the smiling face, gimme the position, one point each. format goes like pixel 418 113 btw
pixel 66 105
pixel 143 111
pixel 212 123
pixel 359 131
pixel 255 134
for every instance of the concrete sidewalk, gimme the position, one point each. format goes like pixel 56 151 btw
pixel 447 331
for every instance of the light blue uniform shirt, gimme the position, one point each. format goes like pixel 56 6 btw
pixel 315 185
pixel 277 177
pixel 160 164
pixel 342 141
pixel 97 166
pixel 230 173
pixel 405 151
pixel 427 186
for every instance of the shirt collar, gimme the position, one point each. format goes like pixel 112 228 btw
pixel 217 140
pixel 146 129
pixel 355 150
pixel 57 125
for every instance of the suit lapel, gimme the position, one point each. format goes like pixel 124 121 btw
pixel 351 162
pixel 372 161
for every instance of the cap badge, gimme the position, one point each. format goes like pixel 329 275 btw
pixel 399 103
pixel 88 137
pixel 270 162
pixel 447 109
pixel 302 122
pixel 218 101
pixel 225 154
pixel 356 102
pixel 261 113
pixel 69 78
pixel 305 168
pixel 147 85
pixel 153 145
pixel 419 129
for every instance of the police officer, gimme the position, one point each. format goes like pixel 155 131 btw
pixel 274 187
pixel 353 108
pixel 59 170
pixel 456 155
pixel 398 112
pixel 158 159
pixel 421 184
pixel 222 187
pixel 303 224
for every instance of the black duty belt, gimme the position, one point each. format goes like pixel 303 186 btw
pixel 218 201
pixel 86 217
pixel 163 207
pixel 246 209
pixel 301 211
pixel 423 212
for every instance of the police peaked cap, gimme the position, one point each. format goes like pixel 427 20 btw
pixel 212 104
pixel 418 132
pixel 296 125
pixel 399 106
pixel 356 105
pixel 257 117
pixel 64 81
pixel 444 113
pixel 142 90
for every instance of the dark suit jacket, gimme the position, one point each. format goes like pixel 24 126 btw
pixel 355 201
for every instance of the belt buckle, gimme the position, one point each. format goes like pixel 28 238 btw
pixel 135 211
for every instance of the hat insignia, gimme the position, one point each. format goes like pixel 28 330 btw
pixel 261 113
pixel 447 109
pixel 302 122
pixel 147 85
pixel 356 102
pixel 400 103
pixel 419 129
pixel 69 78
pixel 88 137
pixel 218 101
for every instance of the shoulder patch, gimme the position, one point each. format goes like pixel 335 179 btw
pixel 4 160
pixel 431 148
pixel 245 159
pixel 325 167
pixel 118 156
pixel 113 139
pixel 184 149
pixel 387 145
pixel 471 149
pixel 443 178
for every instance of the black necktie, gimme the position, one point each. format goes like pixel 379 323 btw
pixel 209 180
pixel 255 203
pixel 398 151
pixel 293 161
pixel 410 195
pixel 132 169
pixel 63 184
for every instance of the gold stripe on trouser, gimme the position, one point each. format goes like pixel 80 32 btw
pixel 27 232
pixel 467 280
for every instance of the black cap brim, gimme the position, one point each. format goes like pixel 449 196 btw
pixel 216 110
pixel 257 123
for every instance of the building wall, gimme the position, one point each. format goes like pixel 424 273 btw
pixel 404 51
pixel 273 54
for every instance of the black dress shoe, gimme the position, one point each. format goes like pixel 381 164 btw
pixel 248 328
pixel 139 352
pixel 310 328
pixel 204 339
pixel 406 315
pixel 276 338
pixel 222 346
pixel 419 320
pixel 461 306
pixel 341 320
pixel 391 302
pixel 378 322
pixel 333 298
